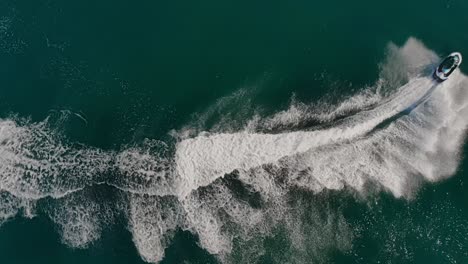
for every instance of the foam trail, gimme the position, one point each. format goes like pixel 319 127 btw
pixel 407 110
pixel 420 141
pixel 202 159
pixel 235 189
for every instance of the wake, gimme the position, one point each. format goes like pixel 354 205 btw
pixel 394 141
pixel 203 159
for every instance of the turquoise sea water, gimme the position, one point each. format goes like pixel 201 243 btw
pixel 231 132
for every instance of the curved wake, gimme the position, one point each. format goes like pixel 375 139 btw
pixel 234 189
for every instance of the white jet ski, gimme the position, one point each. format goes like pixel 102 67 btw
pixel 448 65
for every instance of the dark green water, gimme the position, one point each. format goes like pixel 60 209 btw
pixel 136 70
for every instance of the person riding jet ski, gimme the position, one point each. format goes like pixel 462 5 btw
pixel 447 66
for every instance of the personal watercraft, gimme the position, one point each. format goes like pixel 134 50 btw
pixel 447 67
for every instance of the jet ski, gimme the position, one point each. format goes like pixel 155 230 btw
pixel 448 65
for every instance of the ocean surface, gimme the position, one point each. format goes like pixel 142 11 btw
pixel 232 132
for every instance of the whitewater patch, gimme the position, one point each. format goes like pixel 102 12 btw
pixel 201 160
pixel 36 163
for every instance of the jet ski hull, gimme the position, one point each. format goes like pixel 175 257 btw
pixel 447 67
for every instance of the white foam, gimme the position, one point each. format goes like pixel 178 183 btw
pixel 153 222
pixel 145 169
pixel 201 160
pixel 211 212
pixel 35 163
pixel 80 219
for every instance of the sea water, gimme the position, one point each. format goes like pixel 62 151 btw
pixel 230 133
